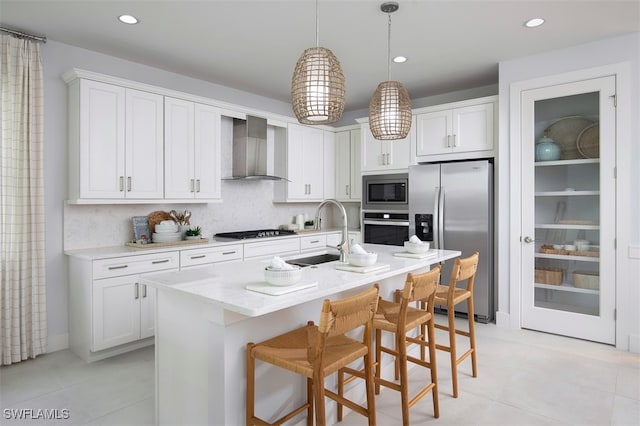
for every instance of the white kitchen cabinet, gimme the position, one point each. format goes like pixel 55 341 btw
pixel 384 155
pixel 457 128
pixel 192 150
pixel 329 165
pixel 110 312
pixel 209 255
pixel 568 288
pixel 270 248
pixel 313 242
pixel 303 167
pixel 116 142
pixel 348 164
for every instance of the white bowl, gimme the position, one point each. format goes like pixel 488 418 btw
pixel 416 248
pixel 558 246
pixel 282 277
pixel 362 259
pixel 166 237
pixel 166 228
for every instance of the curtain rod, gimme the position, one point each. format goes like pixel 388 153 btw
pixel 25 35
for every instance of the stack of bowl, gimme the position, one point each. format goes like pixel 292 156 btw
pixel 166 231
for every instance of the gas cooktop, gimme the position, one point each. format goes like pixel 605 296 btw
pixel 260 233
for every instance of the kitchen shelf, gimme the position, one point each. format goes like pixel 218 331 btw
pixel 565 193
pixel 567 162
pixel 566 226
pixel 567 257
pixel 566 287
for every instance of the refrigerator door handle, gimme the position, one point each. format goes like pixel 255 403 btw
pixel 441 217
pixel 436 218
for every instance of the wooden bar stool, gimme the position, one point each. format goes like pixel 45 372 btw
pixel 399 318
pixel 449 296
pixel 317 352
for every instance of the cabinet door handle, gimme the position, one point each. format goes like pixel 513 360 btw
pixel 191 186
pixel 224 253
pixel 137 291
pixel 155 262
pixel 128 183
pixel 346 189
pixel 111 268
pixel 197 185
pixel 198 257
pixel 388 160
pixel 448 141
pixel 455 142
pixel 528 239
pixel 144 291
pixel 121 183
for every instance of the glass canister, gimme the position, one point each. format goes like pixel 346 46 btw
pixel 547 149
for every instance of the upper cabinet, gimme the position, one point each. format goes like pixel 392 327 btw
pixel 116 142
pixel 380 155
pixel 300 158
pixel 348 184
pixel 192 150
pixel 133 143
pixel 455 131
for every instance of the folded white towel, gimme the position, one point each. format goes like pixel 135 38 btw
pixel 278 263
pixel 414 240
pixel 357 249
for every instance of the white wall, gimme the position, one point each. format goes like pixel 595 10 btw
pixel 604 52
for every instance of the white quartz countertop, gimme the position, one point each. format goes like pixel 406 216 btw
pixel 224 284
pixel 123 250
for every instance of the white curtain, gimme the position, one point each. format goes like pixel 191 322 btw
pixel 23 311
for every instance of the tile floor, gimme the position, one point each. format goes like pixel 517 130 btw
pixel 525 378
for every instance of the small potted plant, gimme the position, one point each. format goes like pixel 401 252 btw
pixel 308 224
pixel 193 233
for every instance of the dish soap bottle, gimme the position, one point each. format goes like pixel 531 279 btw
pixel 547 149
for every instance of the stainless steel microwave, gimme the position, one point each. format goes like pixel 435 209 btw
pixel 385 192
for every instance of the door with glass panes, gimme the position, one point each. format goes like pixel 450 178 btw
pixel 568 209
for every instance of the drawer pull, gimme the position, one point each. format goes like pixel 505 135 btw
pixel 224 253
pixel 199 257
pixel 155 262
pixel 314 242
pixel 111 268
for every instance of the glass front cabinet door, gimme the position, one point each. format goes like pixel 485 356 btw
pixel 568 209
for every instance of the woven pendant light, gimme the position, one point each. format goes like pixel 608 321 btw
pixel 390 105
pixel 317 85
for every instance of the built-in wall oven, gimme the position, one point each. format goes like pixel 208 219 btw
pixel 385 209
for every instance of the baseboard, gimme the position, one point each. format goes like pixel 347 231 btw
pixel 57 342
pixel 503 319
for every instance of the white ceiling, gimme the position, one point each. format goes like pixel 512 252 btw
pixel 254 45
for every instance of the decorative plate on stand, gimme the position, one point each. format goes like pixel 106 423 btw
pixel 588 142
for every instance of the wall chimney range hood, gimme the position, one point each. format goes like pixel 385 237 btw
pixel 249 150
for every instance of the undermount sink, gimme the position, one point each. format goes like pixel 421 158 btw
pixel 314 260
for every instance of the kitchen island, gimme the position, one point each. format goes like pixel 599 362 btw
pixel 206 316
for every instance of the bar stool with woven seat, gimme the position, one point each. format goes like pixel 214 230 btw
pixel 400 318
pixel 449 296
pixel 317 352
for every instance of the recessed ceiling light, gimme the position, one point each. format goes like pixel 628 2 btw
pixel 399 59
pixel 534 22
pixel 128 19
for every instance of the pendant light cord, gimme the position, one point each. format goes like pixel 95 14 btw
pixel 317 26
pixel 389 50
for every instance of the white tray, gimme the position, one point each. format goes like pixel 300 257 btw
pixel 363 269
pixel 275 290
pixel 429 253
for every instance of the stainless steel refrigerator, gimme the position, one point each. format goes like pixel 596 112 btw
pixel 451 205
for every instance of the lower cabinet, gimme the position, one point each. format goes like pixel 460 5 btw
pixel 110 311
pixel 123 311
